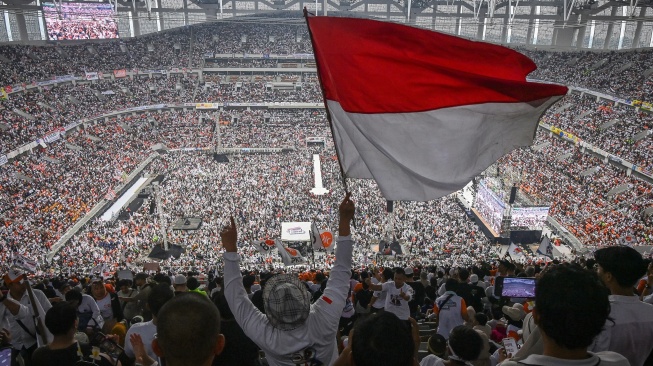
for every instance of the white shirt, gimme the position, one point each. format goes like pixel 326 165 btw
pixel 431 360
pixel 319 330
pixel 595 359
pixel 20 338
pixel 394 303
pixel 380 296
pixel 147 331
pixel 105 307
pixel 631 334
pixel 89 305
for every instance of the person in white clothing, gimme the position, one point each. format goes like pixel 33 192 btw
pixel 463 347
pixel 397 294
pixel 159 295
pixel 449 310
pixel 378 299
pixel 292 330
pixel 629 331
pixel 17 312
pixel 571 309
pixel 88 311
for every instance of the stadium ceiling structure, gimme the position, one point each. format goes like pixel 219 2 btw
pixel 562 24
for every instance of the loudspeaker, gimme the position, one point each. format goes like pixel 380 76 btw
pixel 390 205
pixel 513 194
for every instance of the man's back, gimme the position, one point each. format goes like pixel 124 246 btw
pixel 629 330
pixel 316 336
pixel 147 331
pixel 451 310
pixel 419 293
pixel 472 294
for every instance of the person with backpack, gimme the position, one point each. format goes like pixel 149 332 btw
pixel 449 310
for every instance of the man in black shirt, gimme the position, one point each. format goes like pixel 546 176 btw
pixel 418 293
pixel 472 294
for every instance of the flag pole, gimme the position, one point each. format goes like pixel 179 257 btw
pixel 326 107
pixel 41 338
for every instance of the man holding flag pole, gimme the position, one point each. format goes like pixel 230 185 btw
pixel 24 310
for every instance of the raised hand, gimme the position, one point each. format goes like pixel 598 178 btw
pixel 347 208
pixel 229 236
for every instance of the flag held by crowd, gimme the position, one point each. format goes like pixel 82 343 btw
pixel 25 264
pixel 422 112
pixel 515 252
pixel 264 246
pixel 289 256
pixel 545 248
pixel 327 241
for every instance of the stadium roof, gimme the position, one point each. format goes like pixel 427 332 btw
pixel 576 24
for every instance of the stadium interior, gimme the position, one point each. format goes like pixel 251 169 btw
pixel 130 131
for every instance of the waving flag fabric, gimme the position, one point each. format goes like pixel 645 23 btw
pixel 422 112
pixel 545 248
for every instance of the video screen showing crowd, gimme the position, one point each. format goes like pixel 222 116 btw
pixel 421 284
pixel 79 21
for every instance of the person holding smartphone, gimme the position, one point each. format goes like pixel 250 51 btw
pixel 571 309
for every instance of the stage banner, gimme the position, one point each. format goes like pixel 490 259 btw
pixel 295 231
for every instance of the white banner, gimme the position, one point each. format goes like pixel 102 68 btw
pixel 26 264
pixel 264 246
pixel 295 231
pixel 91 75
pixel 52 137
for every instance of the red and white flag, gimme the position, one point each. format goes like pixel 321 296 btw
pixel 422 112
pixel 515 252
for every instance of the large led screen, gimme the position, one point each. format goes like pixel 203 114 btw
pixel 80 21
pixel 529 217
pixel 490 206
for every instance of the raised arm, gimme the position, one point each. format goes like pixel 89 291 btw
pixel 331 303
pixel 246 314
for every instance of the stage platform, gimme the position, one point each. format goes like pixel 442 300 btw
pixel 188 223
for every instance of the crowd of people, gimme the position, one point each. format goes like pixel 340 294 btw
pixel 596 311
pixel 621 74
pixel 79 21
pixel 44 193
pixel 31 184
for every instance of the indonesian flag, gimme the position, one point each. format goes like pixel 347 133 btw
pixel 422 112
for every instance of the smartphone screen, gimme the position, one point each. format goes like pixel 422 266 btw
pixel 510 345
pixel 518 287
pixel 5 356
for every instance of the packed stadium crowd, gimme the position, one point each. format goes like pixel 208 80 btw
pixel 622 74
pixel 593 216
pixel 446 263
pixel 54 106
